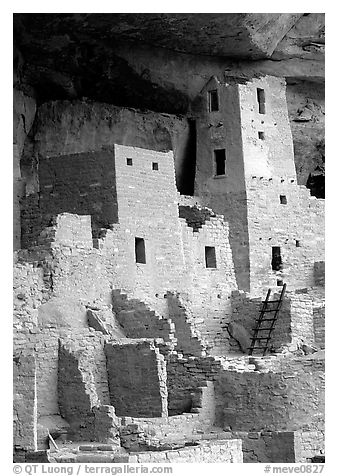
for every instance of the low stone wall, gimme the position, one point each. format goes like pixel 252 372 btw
pixel 220 451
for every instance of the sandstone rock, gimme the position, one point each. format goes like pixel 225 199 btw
pixel 241 335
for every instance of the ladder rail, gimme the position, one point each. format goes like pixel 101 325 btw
pixel 261 319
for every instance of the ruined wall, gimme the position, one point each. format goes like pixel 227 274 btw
pixel 82 184
pixel 25 402
pixel 76 396
pixel 319 326
pixel 207 295
pixel 137 379
pixel 186 378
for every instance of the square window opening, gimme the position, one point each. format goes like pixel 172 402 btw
pixel 280 282
pixel 140 251
pixel 220 161
pixel 155 165
pixel 261 135
pixel 261 100
pixel 283 200
pixel 297 244
pixel 129 161
pixel 210 257
pixel 213 100
pixel 276 262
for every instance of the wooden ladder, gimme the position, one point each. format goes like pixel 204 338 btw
pixel 263 342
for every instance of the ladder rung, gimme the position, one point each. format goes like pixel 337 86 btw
pixel 262 338
pixel 256 347
pixel 268 302
pixel 269 310
pixel 268 319
pixel 265 329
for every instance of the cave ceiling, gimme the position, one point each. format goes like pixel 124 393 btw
pixel 71 56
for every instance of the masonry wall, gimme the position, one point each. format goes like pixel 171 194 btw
pixel 137 379
pixel 319 326
pixel 272 156
pixel 147 209
pixel 82 184
pixel 308 444
pixel 76 397
pixel 187 377
pixel 268 446
pixel 25 402
pixel 296 227
pixel 289 399
pixel 208 294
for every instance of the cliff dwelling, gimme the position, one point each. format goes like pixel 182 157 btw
pixel 169 238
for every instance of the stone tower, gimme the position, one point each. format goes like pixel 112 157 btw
pixel 245 171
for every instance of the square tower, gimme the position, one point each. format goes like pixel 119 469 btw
pixel 246 172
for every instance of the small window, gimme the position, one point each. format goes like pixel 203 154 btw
pixel 280 282
pixel 261 100
pixel 213 100
pixel 283 199
pixel 210 257
pixel 297 244
pixel 140 252
pixel 220 161
pixel 129 161
pixel 155 165
pixel 261 135
pixel 276 262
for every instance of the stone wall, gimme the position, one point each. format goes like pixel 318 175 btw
pixel 226 451
pixel 82 184
pixel 186 380
pixel 268 446
pixel 319 326
pixel 309 443
pixel 25 402
pixel 295 322
pixel 207 295
pixel 287 399
pixel 297 227
pixel 76 397
pixel 137 379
